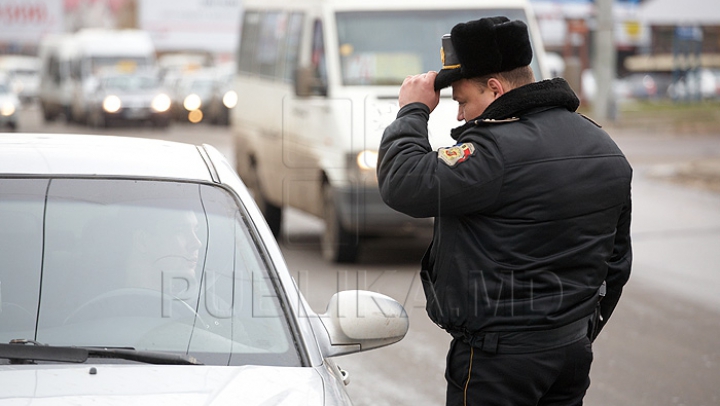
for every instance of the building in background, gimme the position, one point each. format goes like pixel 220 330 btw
pixel 174 25
pixel 23 23
pixel 192 25
pixel 680 35
pixel 567 27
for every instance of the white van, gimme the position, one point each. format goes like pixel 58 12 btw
pixel 96 50
pixel 69 63
pixel 56 88
pixel 318 82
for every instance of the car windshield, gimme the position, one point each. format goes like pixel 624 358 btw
pixel 383 47
pixel 130 82
pixel 144 265
pixel 122 64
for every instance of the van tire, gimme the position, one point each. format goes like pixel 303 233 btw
pixel 96 120
pixel 48 115
pixel 338 245
pixel 271 212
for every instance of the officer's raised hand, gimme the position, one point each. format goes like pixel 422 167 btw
pixel 420 88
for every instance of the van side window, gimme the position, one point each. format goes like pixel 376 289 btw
pixel 54 69
pixel 270 44
pixel 248 42
pixel 292 49
pixel 76 69
pixel 318 53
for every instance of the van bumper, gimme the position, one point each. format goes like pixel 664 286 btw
pixel 363 209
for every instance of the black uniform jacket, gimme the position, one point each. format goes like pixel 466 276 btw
pixel 532 211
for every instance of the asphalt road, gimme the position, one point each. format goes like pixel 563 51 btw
pixel 662 346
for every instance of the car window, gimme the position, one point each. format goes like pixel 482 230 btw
pixel 157 266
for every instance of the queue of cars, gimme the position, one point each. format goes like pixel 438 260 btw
pixel 78 77
pixel 74 67
pixel 137 271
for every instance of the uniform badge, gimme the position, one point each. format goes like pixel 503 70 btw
pixel 456 154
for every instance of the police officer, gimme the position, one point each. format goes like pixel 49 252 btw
pixel 531 245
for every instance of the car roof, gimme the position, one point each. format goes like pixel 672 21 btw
pixel 95 155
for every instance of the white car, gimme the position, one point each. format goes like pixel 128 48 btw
pixel 138 271
pixel 24 73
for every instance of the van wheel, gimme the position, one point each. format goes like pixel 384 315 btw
pixel 271 212
pixel 96 120
pixel 47 113
pixel 338 245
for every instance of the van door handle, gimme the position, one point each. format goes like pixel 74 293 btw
pixel 269 134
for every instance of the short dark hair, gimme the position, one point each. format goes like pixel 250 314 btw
pixel 515 78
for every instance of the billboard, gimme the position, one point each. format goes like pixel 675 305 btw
pixel 27 21
pixel 210 25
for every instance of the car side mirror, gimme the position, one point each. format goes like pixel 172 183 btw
pixel 358 320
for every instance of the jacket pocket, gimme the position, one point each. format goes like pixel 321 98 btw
pixel 428 277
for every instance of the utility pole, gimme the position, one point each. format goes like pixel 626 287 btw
pixel 604 61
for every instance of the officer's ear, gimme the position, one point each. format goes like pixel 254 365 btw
pixel 496 86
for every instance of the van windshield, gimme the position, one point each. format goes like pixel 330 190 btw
pixel 381 48
pixel 119 63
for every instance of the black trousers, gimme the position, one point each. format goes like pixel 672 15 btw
pixel 552 377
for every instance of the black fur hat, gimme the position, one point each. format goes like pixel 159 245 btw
pixel 484 46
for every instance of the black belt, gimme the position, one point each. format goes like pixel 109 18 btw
pixel 519 342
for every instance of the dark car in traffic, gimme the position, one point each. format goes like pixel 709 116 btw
pixel 129 98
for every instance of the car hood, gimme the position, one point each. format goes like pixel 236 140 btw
pixel 144 95
pixel 159 385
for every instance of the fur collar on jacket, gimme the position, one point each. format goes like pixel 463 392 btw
pixel 517 102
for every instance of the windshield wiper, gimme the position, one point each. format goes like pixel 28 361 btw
pixel 19 352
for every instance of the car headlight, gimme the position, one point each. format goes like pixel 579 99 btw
pixel 7 109
pixel 367 160
pixel 112 104
pixel 192 102
pixel 230 99
pixel 161 103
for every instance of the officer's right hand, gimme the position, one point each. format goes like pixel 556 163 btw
pixel 420 88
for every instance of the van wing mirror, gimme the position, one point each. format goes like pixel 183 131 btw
pixel 358 320
pixel 307 83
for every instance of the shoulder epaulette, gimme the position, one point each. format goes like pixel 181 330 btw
pixel 494 121
pixel 590 120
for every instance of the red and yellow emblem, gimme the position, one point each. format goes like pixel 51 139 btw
pixel 456 154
